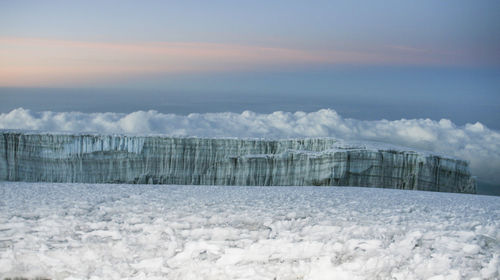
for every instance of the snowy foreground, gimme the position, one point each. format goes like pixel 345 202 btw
pixel 77 231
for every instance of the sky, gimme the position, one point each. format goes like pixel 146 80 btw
pixel 102 43
pixel 364 59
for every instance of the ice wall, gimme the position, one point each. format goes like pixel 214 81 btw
pixel 223 161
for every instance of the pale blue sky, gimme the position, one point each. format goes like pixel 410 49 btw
pixel 438 25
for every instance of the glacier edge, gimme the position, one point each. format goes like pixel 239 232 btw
pixel 88 158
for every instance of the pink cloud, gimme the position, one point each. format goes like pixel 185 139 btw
pixel 45 62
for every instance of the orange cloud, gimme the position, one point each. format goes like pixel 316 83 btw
pixel 48 62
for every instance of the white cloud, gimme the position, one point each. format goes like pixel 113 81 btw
pixel 473 142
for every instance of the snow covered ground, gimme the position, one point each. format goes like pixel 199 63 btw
pixel 77 231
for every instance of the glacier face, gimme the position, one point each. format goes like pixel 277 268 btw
pixel 45 157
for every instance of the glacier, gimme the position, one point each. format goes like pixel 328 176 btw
pixel 155 159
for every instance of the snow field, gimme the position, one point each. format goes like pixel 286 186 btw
pixel 82 231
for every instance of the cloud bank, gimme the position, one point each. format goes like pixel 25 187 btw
pixel 23 61
pixel 473 142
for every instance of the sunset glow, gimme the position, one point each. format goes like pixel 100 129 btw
pixel 53 62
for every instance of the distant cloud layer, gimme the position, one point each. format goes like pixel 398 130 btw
pixel 23 61
pixel 473 142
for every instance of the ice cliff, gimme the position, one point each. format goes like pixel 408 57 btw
pixel 45 157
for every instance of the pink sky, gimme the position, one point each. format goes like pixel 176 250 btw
pixel 53 62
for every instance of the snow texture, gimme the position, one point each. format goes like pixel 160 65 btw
pixel 49 157
pixel 85 231
pixel 473 142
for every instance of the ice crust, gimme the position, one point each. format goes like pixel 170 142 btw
pixel 118 231
pixel 45 157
